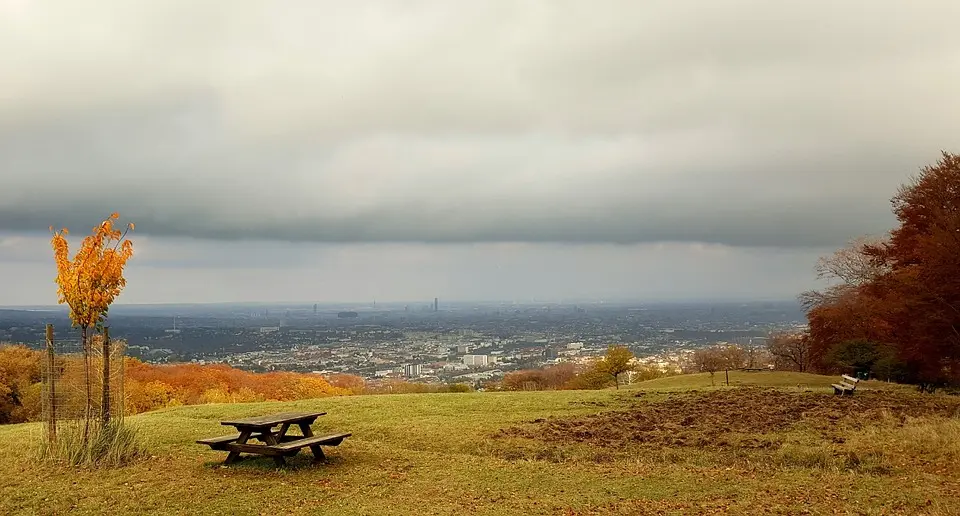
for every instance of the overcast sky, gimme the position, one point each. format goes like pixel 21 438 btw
pixel 498 149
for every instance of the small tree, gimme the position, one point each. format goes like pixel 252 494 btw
pixel 708 360
pixel 732 357
pixel 790 351
pixel 616 362
pixel 88 284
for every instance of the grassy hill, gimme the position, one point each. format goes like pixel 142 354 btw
pixel 656 447
pixel 759 378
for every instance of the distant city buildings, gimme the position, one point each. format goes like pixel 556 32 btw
pixel 476 360
pixel 462 343
pixel 413 370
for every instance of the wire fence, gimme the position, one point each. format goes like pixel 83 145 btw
pixel 82 384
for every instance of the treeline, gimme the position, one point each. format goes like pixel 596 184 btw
pixel 893 310
pixel 610 370
pixel 150 387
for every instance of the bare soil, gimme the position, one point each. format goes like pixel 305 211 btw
pixel 743 417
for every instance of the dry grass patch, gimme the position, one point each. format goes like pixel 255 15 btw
pixel 871 432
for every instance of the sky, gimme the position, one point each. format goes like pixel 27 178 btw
pixel 325 151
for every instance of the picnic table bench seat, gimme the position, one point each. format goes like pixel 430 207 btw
pixel 276 443
pixel 297 443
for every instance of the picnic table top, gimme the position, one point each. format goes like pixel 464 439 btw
pixel 273 419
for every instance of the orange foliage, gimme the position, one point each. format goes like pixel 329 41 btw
pixel 349 382
pixel 90 282
pixel 150 387
pixel 905 293
pixel 19 384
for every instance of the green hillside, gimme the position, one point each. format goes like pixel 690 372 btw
pixel 736 450
pixel 761 378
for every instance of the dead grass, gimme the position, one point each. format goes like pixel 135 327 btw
pixel 739 418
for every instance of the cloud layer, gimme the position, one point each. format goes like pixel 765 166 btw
pixel 743 123
pixel 177 271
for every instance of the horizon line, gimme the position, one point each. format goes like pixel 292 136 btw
pixel 534 301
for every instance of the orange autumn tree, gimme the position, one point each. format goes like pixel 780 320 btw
pixel 88 283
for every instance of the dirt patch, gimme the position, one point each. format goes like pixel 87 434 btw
pixel 744 417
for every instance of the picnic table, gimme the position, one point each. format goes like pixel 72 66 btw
pixel 274 443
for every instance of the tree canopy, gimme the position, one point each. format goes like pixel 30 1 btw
pixel 899 295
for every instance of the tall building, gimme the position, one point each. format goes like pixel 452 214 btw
pixel 436 304
pixel 412 370
pixel 475 360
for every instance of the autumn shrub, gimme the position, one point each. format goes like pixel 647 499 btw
pixel 348 382
pixel 591 378
pixel 149 387
pixel 548 378
pixel 19 384
pixel 528 380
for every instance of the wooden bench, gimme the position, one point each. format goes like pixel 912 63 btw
pixel 276 443
pixel 847 385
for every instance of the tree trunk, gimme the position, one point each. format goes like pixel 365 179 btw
pixel 105 400
pixel 727 374
pixel 51 387
pixel 88 406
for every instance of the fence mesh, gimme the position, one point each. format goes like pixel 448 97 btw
pixel 74 383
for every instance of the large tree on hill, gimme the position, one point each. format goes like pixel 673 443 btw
pixel 904 290
pixel 922 289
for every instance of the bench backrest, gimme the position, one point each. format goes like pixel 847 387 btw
pixel 851 379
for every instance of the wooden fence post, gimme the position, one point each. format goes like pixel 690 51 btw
pixel 51 387
pixel 105 401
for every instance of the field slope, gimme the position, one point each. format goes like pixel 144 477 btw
pixel 638 450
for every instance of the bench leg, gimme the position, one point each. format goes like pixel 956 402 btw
pixel 234 455
pixel 318 455
pixel 273 440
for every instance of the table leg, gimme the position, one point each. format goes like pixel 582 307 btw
pixel 318 455
pixel 305 428
pixel 234 455
pixel 273 440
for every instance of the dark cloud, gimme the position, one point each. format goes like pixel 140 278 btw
pixel 743 123
pixel 172 270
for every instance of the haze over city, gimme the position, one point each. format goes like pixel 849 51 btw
pixel 331 151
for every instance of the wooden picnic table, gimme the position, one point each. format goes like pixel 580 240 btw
pixel 274 443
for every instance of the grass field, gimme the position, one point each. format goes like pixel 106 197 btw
pixel 673 445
